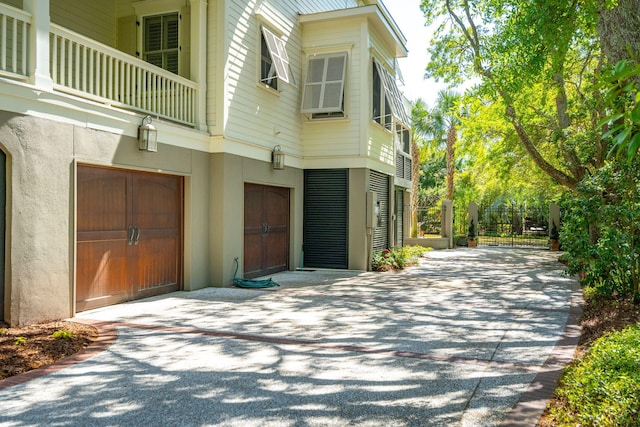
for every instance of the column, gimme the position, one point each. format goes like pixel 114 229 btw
pixel 39 72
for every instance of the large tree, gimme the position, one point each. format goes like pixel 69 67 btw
pixel 516 45
pixel 444 121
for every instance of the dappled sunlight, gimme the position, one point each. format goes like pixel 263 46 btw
pixel 454 340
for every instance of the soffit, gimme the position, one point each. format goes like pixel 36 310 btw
pixel 376 16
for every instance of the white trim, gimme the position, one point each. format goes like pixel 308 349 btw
pixel 316 104
pixel 278 51
pixel 392 93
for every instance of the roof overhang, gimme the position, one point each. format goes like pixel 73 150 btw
pixel 376 14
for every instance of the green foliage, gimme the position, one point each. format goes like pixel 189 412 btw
pixel 396 258
pixel 602 388
pixel 601 231
pixel 622 99
pixel 62 334
pixel 4 331
pixel 536 63
pixel 20 340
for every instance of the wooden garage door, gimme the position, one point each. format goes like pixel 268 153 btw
pixel 266 230
pixel 129 236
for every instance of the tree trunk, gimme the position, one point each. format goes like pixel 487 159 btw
pixel 618 31
pixel 452 136
pixel 415 186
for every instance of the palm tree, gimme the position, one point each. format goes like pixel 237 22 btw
pixel 445 119
pixel 419 132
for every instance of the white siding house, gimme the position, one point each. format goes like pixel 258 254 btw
pixel 92 219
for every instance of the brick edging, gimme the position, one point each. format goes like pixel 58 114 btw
pixel 107 335
pixel 533 401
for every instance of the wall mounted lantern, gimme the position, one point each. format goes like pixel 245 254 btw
pixel 147 136
pixel 277 158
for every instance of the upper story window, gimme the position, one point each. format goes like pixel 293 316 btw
pixel 161 42
pixel 323 94
pixel 387 100
pixel 403 138
pixel 274 61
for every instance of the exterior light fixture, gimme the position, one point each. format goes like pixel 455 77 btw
pixel 147 136
pixel 277 158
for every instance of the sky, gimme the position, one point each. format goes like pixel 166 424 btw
pixel 410 19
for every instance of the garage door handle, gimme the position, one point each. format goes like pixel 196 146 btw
pixel 137 238
pixel 130 235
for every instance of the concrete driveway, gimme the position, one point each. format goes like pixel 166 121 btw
pixel 470 337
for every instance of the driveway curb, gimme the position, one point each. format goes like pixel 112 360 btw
pixel 533 402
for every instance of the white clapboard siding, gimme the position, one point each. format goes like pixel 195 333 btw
pixel 337 137
pixel 255 114
pixel 95 19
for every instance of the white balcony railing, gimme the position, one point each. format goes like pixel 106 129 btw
pixel 86 68
pixel 14 42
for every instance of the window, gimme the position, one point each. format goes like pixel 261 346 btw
pixel 323 94
pixel 387 100
pixel 161 47
pixel 403 138
pixel 381 107
pixel 274 61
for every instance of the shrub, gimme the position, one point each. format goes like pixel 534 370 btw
pixel 601 233
pixel 20 340
pixel 602 388
pixel 396 258
pixel 62 334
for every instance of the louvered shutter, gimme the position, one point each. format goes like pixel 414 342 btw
pixel 326 218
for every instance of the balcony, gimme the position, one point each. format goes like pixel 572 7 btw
pixel 82 67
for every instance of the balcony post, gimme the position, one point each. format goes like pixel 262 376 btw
pixel 39 72
pixel 199 59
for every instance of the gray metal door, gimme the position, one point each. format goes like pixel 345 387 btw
pixel 379 183
pixel 326 218
pixel 399 213
pixel 3 204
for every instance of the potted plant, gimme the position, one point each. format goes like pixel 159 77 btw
pixel 423 228
pixel 554 237
pixel 471 236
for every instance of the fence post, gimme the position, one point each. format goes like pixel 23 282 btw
pixel 473 216
pixel 447 222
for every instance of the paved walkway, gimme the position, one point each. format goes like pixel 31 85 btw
pixel 470 337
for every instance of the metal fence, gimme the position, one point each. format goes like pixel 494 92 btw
pixel 430 220
pixel 513 226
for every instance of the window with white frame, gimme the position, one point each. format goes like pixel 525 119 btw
pixel 403 138
pixel 387 100
pixel 274 61
pixel 161 42
pixel 323 93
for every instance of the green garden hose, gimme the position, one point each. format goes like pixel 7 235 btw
pixel 251 283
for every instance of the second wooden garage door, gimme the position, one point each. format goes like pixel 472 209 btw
pixel 129 236
pixel 266 230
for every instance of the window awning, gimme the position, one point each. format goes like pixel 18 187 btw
pixel 393 95
pixel 278 52
pixel 324 86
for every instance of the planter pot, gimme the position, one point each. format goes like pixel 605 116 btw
pixel 472 243
pixel 555 246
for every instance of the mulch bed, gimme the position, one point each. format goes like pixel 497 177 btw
pixel 31 347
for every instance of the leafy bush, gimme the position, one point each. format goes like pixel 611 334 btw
pixel 62 334
pixel 396 258
pixel 601 232
pixel 20 340
pixel 602 388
